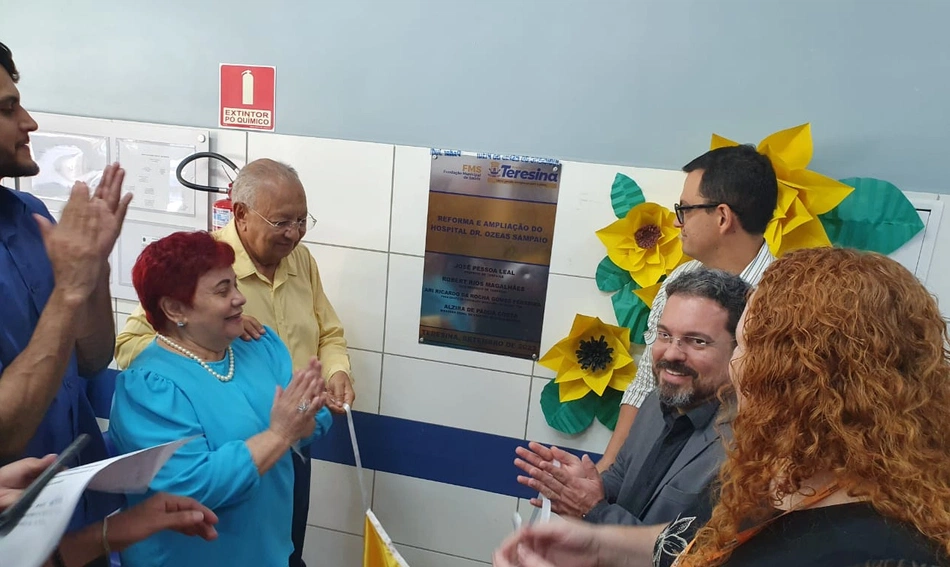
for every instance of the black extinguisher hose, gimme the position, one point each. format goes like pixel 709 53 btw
pixel 199 155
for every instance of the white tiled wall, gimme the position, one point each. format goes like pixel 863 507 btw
pixel 439 517
pixel 456 396
pixel 355 282
pixel 370 201
pixel 331 548
pixel 348 184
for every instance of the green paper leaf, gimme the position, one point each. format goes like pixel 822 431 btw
pixel 570 417
pixel 609 409
pixel 625 194
pixel 631 311
pixel 610 276
pixel 876 216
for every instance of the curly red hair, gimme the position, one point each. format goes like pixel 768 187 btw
pixel 171 267
pixel 845 371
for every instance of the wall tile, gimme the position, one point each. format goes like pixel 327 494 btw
pixel 348 184
pixel 355 282
pixel 328 548
pixel 455 396
pixel 335 500
pixel 440 517
pixel 410 199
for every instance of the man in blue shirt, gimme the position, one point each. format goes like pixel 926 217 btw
pixel 56 321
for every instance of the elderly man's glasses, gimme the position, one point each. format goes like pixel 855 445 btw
pixel 680 210
pixel 281 226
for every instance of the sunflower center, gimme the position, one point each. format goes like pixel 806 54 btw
pixel 647 236
pixel 594 354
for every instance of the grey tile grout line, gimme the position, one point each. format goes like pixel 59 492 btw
pixel 527 412
pixel 382 357
pixel 416 547
pixel 450 363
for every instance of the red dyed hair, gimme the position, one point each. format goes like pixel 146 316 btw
pixel 171 267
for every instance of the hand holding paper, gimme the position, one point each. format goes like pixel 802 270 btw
pixel 18 475
pixel 36 535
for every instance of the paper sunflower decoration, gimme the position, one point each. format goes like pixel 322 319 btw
pixel 815 210
pixel 643 247
pixel 594 366
pixel 644 242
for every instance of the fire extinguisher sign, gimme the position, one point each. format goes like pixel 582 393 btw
pixel 247 97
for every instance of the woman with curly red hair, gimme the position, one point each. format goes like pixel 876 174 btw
pixel 840 454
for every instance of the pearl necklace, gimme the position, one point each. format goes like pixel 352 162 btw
pixel 203 364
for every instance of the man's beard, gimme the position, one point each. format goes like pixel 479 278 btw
pixel 675 396
pixel 14 168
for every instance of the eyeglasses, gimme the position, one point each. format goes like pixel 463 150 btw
pixel 680 210
pixel 685 344
pixel 281 226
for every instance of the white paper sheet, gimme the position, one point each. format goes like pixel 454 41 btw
pixel 150 175
pixel 32 541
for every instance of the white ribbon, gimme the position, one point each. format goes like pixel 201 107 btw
pixel 356 456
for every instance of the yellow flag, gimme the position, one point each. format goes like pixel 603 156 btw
pixel 378 549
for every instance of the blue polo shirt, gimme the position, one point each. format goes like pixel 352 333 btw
pixel 26 282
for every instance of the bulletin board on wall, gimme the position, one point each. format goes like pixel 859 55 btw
pixel 71 148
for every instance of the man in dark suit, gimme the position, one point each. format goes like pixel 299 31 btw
pixel 675 447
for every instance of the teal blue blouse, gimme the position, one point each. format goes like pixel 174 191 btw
pixel 164 397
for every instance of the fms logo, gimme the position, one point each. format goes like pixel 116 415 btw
pixel 494 168
pixel 473 172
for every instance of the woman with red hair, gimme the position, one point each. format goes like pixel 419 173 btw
pixel 240 398
pixel 840 454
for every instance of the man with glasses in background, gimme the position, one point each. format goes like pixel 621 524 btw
pixel 674 450
pixel 280 280
pixel 728 199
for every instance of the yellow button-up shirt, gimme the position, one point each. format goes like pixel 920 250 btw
pixel 281 305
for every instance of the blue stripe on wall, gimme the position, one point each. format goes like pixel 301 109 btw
pixel 461 457
pixel 450 455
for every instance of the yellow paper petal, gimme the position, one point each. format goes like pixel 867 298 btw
pixel 621 358
pixel 773 237
pixel 648 275
pixel 809 235
pixel 552 358
pixel 598 382
pixel 794 216
pixel 622 378
pixel 720 142
pixel 573 373
pixel 818 192
pixel 648 294
pixel 793 146
pixel 782 169
pixel 573 390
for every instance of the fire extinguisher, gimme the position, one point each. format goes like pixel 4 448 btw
pixel 221 209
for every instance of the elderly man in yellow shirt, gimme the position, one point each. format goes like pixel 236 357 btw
pixel 279 279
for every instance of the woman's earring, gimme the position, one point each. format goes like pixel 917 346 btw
pixel 180 323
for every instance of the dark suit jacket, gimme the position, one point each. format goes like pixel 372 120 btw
pixel 695 467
